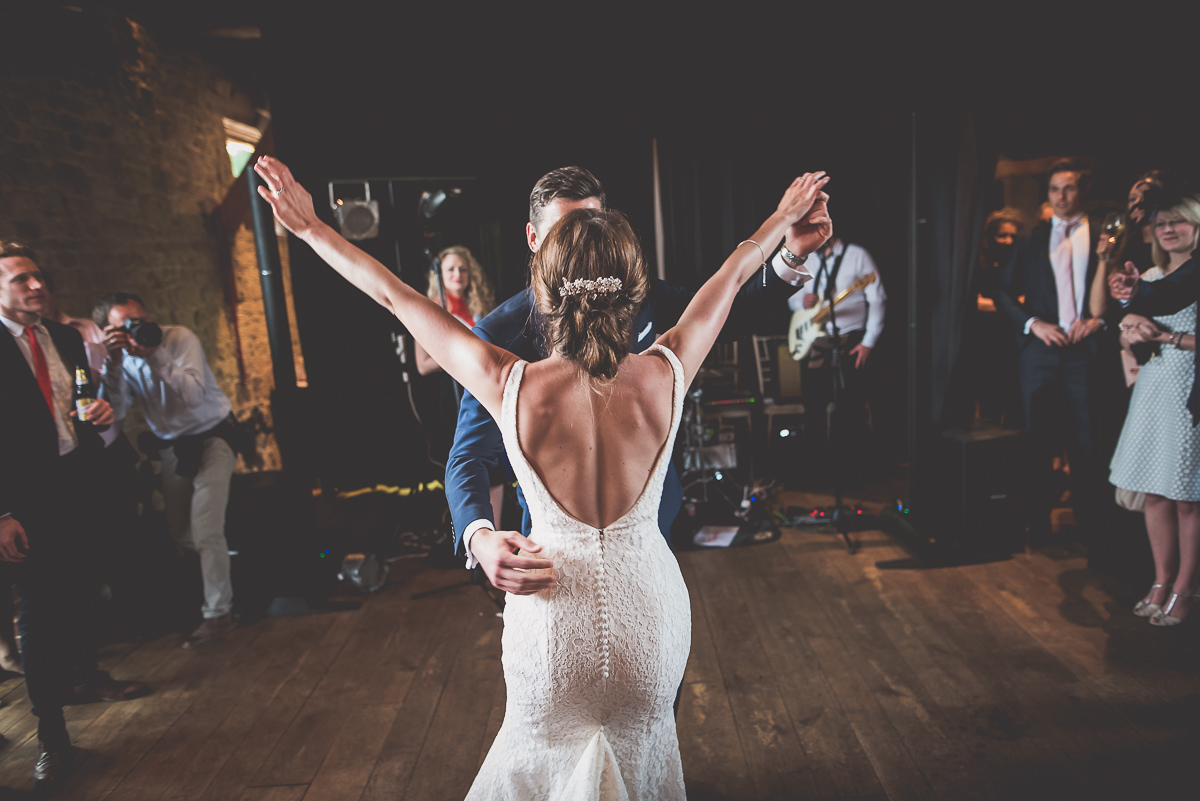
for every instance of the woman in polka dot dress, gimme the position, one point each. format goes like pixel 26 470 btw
pixel 1159 449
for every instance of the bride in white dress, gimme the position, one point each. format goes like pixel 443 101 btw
pixel 591 664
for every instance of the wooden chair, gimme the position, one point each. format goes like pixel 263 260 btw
pixel 719 376
pixel 777 370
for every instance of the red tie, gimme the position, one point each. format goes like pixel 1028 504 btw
pixel 39 367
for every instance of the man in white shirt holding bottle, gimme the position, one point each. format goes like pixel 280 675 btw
pixel 179 397
pixel 47 483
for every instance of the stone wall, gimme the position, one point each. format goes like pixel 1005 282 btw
pixel 112 160
pixel 251 401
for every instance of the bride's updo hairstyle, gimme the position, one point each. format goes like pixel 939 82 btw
pixel 591 328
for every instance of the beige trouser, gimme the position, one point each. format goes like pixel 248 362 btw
pixel 195 510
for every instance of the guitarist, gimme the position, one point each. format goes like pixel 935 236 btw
pixel 859 319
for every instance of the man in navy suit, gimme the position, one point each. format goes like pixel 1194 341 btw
pixel 514 326
pixel 1044 291
pixel 47 471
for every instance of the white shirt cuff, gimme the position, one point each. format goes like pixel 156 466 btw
pixel 789 274
pixel 1029 323
pixel 470 532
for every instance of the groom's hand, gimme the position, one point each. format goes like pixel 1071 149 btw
pixel 812 230
pixel 13 541
pixel 496 552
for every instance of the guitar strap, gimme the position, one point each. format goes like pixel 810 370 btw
pixel 831 280
pixel 818 357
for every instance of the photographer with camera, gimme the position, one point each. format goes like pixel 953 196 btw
pixel 165 370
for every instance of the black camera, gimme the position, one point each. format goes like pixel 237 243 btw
pixel 144 333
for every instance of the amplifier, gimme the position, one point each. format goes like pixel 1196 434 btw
pixel 980 490
pixel 731 401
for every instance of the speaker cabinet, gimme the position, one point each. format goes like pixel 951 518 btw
pixel 981 487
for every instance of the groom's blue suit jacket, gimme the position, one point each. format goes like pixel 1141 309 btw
pixel 516 327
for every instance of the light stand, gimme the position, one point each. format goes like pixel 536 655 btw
pixel 427 208
pixel 839 385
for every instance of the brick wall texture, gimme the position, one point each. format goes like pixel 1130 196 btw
pixel 111 164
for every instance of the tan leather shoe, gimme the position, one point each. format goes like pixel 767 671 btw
pixel 212 628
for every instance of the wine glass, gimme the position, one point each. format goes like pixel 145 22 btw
pixel 1114 226
pixel 1112 233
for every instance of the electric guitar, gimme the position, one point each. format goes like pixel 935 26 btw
pixel 809 324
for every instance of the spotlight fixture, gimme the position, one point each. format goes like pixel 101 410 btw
pixel 357 217
pixel 431 203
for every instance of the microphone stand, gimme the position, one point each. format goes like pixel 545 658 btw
pixel 839 384
pixel 436 265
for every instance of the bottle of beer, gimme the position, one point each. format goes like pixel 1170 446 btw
pixel 85 395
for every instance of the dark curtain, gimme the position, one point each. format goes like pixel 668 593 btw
pixel 719 184
pixel 958 166
pixel 709 199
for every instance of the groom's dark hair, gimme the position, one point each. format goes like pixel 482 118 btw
pixel 568 183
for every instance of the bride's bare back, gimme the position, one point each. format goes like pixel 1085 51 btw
pixel 595 451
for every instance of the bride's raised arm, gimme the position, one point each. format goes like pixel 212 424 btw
pixel 802 205
pixel 479 366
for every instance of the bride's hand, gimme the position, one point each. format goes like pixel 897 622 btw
pixel 293 206
pixel 801 195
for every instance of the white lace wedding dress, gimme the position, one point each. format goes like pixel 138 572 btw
pixel 591 666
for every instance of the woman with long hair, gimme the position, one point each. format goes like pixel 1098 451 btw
pixel 469 295
pixel 1159 449
pixel 592 662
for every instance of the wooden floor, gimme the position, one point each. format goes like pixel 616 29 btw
pixel 813 674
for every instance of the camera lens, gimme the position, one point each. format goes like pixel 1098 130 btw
pixel 145 333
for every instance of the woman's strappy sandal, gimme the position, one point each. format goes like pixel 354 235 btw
pixel 1146 607
pixel 1165 618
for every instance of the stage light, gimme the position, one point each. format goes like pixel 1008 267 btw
pixel 431 202
pixel 358 218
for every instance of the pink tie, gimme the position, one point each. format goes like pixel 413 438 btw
pixel 1064 279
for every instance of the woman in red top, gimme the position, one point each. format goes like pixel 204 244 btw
pixel 468 295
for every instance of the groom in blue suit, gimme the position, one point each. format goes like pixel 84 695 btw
pixel 515 326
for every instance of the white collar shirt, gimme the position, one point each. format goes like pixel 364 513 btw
pixel 62 381
pixel 1081 247
pixel 174 387
pixel 862 311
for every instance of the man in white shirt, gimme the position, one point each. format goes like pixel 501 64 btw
pixel 181 402
pixel 859 320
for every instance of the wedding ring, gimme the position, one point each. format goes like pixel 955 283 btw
pixel 277 192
